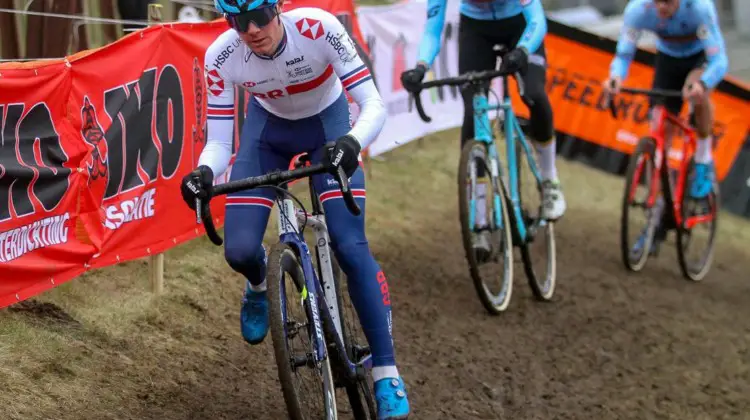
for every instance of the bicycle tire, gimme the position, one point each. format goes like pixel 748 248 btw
pixel 282 259
pixel 494 304
pixel 542 292
pixel 361 390
pixel 683 234
pixel 646 147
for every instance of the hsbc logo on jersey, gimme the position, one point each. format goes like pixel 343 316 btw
pixel 310 28
pixel 214 82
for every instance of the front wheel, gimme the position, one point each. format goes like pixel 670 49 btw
pixel 485 228
pixel 307 386
pixel 699 221
pixel 639 180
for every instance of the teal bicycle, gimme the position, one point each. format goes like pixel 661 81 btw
pixel 514 218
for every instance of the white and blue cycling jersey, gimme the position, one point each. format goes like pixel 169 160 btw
pixel 693 28
pixel 533 35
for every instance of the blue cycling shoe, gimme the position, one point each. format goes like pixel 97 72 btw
pixel 703 182
pixel 660 235
pixel 254 316
pixel 635 252
pixel 390 394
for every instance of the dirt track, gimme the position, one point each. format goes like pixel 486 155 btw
pixel 611 345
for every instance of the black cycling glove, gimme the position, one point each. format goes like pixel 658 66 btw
pixel 196 184
pixel 517 60
pixel 412 78
pixel 344 153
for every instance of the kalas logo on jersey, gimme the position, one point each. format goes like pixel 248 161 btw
pixel 310 28
pixel 295 60
pixel 214 82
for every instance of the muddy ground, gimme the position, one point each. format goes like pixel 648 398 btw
pixel 610 345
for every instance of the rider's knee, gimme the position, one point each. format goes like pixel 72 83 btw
pixel 542 128
pixel 243 257
pixel 351 252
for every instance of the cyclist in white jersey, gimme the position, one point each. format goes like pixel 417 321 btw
pixel 297 65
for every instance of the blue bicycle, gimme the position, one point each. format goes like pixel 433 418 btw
pixel 333 355
pixel 513 220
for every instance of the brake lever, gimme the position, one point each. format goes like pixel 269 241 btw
pixel 346 192
pixel 420 109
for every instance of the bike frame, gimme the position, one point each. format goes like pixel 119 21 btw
pixel 483 132
pixel 661 163
pixel 289 218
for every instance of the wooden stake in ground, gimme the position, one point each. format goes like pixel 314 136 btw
pixel 157 261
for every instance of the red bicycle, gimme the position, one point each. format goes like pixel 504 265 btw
pixel 666 189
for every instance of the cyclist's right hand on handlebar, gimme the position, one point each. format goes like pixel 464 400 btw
pixel 412 78
pixel 196 184
pixel 611 86
pixel 345 153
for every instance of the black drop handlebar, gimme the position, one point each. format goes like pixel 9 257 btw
pixel 203 211
pixel 655 93
pixel 468 78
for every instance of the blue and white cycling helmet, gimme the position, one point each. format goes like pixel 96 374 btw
pixel 235 7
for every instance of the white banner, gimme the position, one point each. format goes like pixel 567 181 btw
pixel 393 34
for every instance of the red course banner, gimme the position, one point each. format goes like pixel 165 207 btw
pixel 92 152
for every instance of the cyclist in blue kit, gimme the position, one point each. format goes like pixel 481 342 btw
pixel 298 66
pixel 691 58
pixel 520 26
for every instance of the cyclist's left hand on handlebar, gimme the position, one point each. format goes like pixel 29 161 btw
pixel 517 60
pixel 694 92
pixel 344 153
pixel 412 78
pixel 196 184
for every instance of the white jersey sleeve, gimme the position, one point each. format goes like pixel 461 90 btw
pixel 220 107
pixel 355 78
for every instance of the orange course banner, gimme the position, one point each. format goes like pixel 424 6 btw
pixel 574 78
pixel 93 151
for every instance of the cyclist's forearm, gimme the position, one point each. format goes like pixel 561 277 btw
pixel 713 44
pixel 220 125
pixel 715 71
pixel 216 155
pixel 623 57
pixel 536 26
pixel 429 47
pixel 372 113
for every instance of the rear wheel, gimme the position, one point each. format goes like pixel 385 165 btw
pixel 485 228
pixel 307 387
pixel 636 240
pixel 699 221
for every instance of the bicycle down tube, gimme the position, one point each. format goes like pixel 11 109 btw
pixel 483 131
pixel 662 153
pixel 288 221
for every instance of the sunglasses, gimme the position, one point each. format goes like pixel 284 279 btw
pixel 260 17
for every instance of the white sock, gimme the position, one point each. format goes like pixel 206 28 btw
pixel 703 151
pixel 381 372
pixel 482 204
pixel 259 288
pixel 546 154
